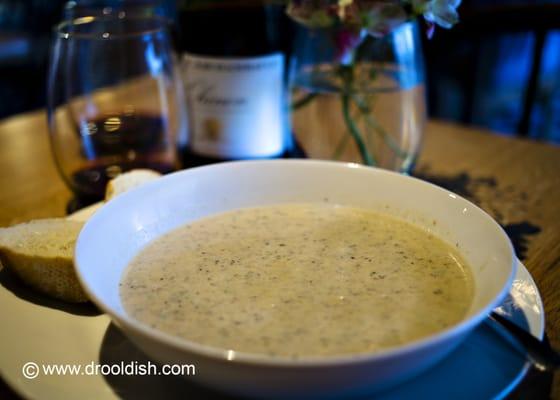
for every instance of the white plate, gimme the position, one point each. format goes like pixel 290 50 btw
pixel 33 329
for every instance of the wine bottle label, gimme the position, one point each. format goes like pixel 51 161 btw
pixel 235 105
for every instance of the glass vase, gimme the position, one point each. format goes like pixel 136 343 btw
pixel 360 98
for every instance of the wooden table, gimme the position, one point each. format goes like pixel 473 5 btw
pixel 517 181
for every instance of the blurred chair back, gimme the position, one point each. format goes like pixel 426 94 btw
pixel 500 68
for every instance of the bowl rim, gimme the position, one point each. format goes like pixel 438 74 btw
pixel 465 325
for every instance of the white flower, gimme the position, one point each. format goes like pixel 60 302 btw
pixel 342 5
pixel 383 18
pixel 441 12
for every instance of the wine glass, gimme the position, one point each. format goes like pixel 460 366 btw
pixel 83 8
pixel 115 100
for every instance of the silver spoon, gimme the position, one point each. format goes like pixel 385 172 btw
pixel 539 353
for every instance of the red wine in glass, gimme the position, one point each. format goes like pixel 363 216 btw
pixel 116 143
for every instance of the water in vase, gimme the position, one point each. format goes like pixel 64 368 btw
pixel 375 110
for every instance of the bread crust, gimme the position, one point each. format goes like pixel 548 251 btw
pixel 40 253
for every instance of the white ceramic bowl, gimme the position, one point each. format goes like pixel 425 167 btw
pixel 121 228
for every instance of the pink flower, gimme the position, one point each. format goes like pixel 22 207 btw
pixel 378 17
pixel 346 40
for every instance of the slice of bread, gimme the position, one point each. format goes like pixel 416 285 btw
pixel 83 214
pixel 129 180
pixel 120 184
pixel 40 252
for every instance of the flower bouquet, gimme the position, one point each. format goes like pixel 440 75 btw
pixel 364 55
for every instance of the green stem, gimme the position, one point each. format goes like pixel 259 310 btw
pixel 340 147
pixel 346 73
pixel 304 100
pixel 367 158
pixel 379 129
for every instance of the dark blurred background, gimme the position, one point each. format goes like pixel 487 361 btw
pixel 499 68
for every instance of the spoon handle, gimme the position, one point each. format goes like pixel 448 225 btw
pixel 543 356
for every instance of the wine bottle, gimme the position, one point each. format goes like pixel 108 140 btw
pixel 234 63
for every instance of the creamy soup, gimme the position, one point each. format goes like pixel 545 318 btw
pixel 298 280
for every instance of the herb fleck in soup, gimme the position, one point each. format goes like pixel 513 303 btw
pixel 298 280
